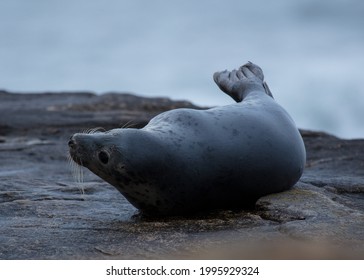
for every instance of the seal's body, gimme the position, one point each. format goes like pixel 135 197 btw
pixel 189 160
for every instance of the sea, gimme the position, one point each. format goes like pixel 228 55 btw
pixel 312 52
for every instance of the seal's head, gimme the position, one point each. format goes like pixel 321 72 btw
pixel 93 151
pixel 125 158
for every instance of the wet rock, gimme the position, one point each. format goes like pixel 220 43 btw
pixel 308 212
pixel 46 214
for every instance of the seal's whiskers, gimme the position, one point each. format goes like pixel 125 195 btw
pixel 128 124
pixel 93 130
pixel 77 173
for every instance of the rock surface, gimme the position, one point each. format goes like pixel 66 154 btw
pixel 46 214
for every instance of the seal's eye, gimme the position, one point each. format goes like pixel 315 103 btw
pixel 103 157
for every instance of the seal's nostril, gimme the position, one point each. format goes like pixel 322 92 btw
pixel 71 143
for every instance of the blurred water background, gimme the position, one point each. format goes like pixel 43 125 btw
pixel 312 52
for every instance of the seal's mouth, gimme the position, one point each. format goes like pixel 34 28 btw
pixel 76 159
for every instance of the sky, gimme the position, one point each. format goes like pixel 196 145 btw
pixel 312 52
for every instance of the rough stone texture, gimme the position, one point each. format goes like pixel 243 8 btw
pixel 45 214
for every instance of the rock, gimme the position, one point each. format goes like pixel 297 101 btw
pixel 306 212
pixel 46 214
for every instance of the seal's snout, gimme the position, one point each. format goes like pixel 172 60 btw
pixel 75 151
pixel 71 143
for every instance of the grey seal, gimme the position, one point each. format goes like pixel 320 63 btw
pixel 186 160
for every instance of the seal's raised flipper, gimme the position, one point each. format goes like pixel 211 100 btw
pixel 238 83
pixel 257 71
